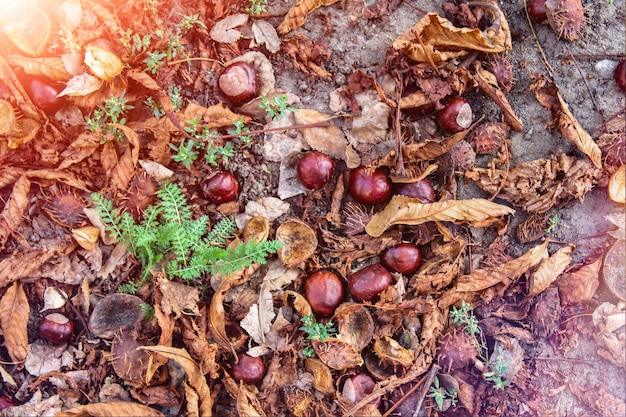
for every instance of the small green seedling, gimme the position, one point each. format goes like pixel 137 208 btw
pixel 439 394
pixel 113 111
pixel 257 7
pixel 316 331
pixel 277 106
pixel 497 370
pixel 553 222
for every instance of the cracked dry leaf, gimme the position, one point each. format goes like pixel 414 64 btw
pixel 549 270
pixel 195 376
pixel 536 186
pixel 549 97
pixel 409 211
pixel 435 38
pixel 110 409
pixel 14 311
pixel 258 322
pixel 579 284
pixel 297 14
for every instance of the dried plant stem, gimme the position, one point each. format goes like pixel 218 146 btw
pixel 272 129
pixel 543 55
pixel 582 76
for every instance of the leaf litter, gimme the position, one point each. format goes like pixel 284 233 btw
pixel 469 255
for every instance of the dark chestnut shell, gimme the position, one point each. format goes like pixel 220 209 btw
pixel 66 209
pixel 503 70
pixel 488 137
pixel 456 349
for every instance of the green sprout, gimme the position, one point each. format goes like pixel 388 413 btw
pixel 553 221
pixel 277 106
pixel 316 331
pixel 439 394
pixel 257 7
pixel 497 371
pixel 111 112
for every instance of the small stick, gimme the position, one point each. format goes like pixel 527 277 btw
pixel 272 129
pixel 592 56
pixel 580 71
pixel 424 390
pixel 543 55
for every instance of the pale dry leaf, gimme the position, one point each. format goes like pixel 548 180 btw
pixel 484 278
pixel 195 376
pixel 224 31
pixel 436 38
pixel 409 211
pixel 191 396
pixel 81 148
pixel 619 220
pixel 278 277
pixel 65 177
pixel 6 377
pixel 53 298
pixel 258 321
pixel 265 34
pixel 44 358
pixel 14 311
pixel 178 298
pixel 51 67
pixel 81 85
pixel 111 409
pixel 157 171
pixel 36 406
pixel 297 14
pixel 329 140
pixel 549 270
pixel 24 263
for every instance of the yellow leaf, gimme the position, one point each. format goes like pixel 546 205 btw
pixel 409 211
pixel 298 13
pixel 14 311
pixel 196 378
pixel 110 409
pixel 51 67
pixel 549 270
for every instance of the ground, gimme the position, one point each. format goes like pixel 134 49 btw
pixel 562 348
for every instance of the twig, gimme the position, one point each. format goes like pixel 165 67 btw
pixel 399 153
pixel 540 358
pixel 412 6
pixel 424 390
pixel 272 129
pixel 543 55
pixel 580 71
pixel 591 56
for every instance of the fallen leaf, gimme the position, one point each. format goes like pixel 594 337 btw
pixel 580 284
pixel 53 298
pixel 195 376
pixel 549 270
pixel 51 67
pixel 297 14
pixel 265 34
pixel 110 409
pixel 30 32
pixel 435 38
pixel 258 321
pixel 329 140
pixel 81 85
pixel 178 298
pixel 224 31
pixel 14 311
pixel 409 211
pixel 44 358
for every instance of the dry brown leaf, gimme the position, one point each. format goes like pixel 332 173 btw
pixel 484 278
pixel 51 67
pixel 14 311
pixel 15 208
pixel 178 298
pixel 265 34
pixel 549 96
pixel 323 378
pixel 329 140
pixel 489 85
pixel 536 186
pixel 195 376
pixel 409 211
pixel 31 31
pixel 579 285
pixel 110 409
pixel 224 30
pixel 125 168
pixel 549 270
pixel 297 14
pixel 436 38
pixel 258 321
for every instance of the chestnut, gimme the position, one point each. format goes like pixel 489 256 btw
pixel 620 75
pixel 456 116
pixel 56 328
pixel 248 369
pixel 537 11
pixel 315 169
pixel 422 190
pixel 367 186
pixel 219 187
pixel 358 387
pixel 43 93
pixel 238 83
pixel 324 290
pixel 403 258
pixel 366 283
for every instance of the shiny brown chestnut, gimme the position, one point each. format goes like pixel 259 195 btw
pixel 422 190
pixel 358 387
pixel 43 93
pixel 620 75
pixel 367 186
pixel 239 83
pixel 248 369
pixel 219 187
pixel 368 282
pixel 324 290
pixel 315 170
pixel 403 258
pixel 456 116
pixel 537 11
pixel 56 328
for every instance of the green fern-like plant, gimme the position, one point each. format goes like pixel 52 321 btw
pixel 168 236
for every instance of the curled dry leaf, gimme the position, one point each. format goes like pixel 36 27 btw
pixel 536 186
pixel 435 38
pixel 224 31
pixel 258 321
pixel 615 258
pixel 409 211
pixel 86 236
pixel 81 85
pixel 549 270
pixel 488 83
pixel 297 14
pixel 299 242
pixel 265 34
pixel 111 409
pixel 53 298
pixel 549 96
pixel 329 140
pixel 14 311
pixel 391 352
pixel 322 376
pixel 195 376
pixel 177 298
